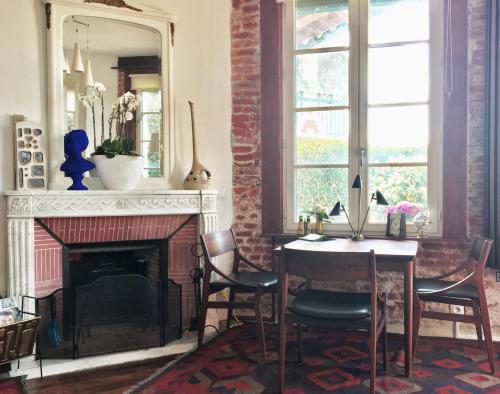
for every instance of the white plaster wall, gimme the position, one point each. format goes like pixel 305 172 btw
pixel 202 73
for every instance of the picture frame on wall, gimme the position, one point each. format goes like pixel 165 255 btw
pixel 396 225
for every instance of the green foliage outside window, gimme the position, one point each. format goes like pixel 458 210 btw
pixel 322 187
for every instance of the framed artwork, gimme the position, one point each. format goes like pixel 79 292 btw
pixel 30 155
pixel 396 225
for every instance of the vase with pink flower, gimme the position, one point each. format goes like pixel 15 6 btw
pixel 405 210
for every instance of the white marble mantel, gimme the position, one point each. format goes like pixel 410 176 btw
pixel 24 206
pixel 63 203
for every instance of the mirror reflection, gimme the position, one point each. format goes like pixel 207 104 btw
pixel 112 86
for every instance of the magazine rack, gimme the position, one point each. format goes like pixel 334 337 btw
pixel 17 340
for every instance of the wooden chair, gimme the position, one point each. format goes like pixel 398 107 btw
pixel 325 308
pixel 257 282
pixel 468 291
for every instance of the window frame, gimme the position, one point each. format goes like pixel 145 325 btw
pixel 358 50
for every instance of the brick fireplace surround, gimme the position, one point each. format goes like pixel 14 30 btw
pixel 48 252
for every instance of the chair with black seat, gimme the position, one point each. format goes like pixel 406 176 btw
pixel 468 291
pixel 324 308
pixel 257 282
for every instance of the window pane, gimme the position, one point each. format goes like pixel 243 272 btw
pixel 397 184
pixel 151 101
pixel 152 158
pixel 398 21
pixel 322 23
pixel 151 123
pixel 70 121
pixel 322 137
pixel 322 79
pixel 70 100
pixel 321 187
pixel 398 134
pixel 398 74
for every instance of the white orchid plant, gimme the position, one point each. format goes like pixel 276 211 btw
pixel 95 94
pixel 123 111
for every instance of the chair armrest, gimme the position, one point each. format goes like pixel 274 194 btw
pixel 444 290
pixel 253 265
pixel 460 268
pixel 297 290
pixel 236 282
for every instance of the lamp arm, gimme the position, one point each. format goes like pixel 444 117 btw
pixel 348 220
pixel 364 220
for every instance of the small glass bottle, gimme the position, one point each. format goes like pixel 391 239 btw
pixel 300 227
pixel 319 226
pixel 308 228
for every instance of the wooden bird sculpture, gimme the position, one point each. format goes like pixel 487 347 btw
pixel 114 3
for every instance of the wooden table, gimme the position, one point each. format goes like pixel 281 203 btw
pixel 391 255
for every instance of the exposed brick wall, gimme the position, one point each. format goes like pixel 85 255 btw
pixel 245 135
pixel 433 257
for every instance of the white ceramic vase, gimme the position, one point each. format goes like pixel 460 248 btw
pixel 122 172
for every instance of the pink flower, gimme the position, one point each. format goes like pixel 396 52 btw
pixel 408 208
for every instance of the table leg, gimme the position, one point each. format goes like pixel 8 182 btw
pixel 408 316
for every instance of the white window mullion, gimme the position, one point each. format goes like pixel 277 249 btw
pixel 362 79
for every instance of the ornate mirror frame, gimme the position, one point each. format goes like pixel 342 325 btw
pixel 57 11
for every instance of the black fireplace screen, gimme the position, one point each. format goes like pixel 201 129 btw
pixel 111 314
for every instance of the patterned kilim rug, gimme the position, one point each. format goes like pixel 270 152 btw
pixel 333 361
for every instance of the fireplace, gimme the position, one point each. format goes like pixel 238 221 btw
pixel 77 219
pixel 116 296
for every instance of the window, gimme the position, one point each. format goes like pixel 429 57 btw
pixel 362 92
pixel 149 132
pixel 71 108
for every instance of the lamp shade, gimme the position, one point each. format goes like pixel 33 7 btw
pixel 380 198
pixel 77 65
pixel 358 182
pixel 67 69
pixel 89 79
pixel 336 210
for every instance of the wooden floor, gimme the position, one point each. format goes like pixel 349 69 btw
pixel 113 380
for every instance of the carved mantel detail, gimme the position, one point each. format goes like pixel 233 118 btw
pixel 98 203
pixel 19 206
pixel 115 3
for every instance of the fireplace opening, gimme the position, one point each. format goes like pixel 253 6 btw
pixel 89 262
pixel 116 297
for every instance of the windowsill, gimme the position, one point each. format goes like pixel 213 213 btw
pixel 429 239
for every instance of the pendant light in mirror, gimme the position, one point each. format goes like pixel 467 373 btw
pixel 66 69
pixel 77 64
pixel 89 79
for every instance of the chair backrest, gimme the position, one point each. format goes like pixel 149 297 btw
pixel 480 251
pixel 218 243
pixel 330 267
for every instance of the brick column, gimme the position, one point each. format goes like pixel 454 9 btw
pixel 246 131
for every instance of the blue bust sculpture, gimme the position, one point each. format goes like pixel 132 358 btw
pixel 75 142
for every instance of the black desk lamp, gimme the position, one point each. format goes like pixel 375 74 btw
pixel 357 235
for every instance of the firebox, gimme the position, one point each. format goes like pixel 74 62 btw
pixel 116 296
